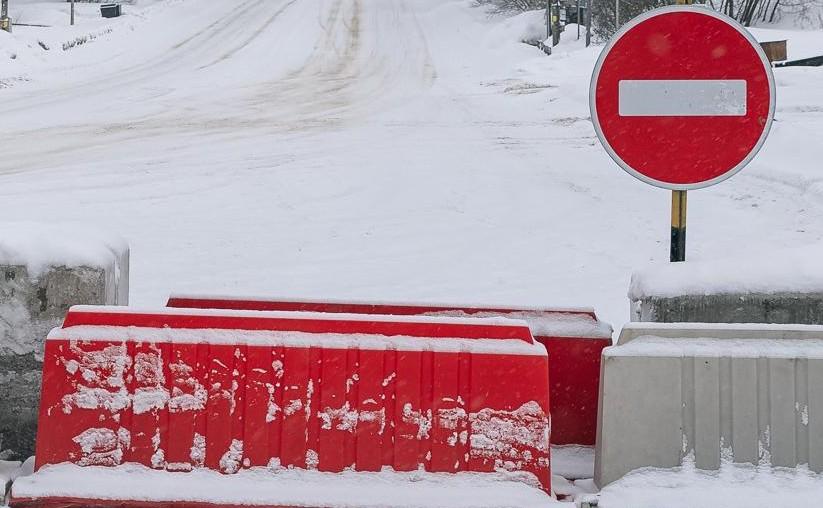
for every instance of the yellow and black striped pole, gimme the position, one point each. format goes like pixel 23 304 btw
pixel 678 247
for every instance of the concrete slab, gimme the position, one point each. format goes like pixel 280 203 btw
pixel 801 308
pixel 714 393
pixel 786 288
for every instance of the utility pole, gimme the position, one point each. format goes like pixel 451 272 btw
pixel 5 22
pixel 72 12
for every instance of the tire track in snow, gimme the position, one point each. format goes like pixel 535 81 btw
pixel 252 38
pixel 352 68
pixel 340 81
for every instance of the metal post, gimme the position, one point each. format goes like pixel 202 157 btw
pixel 578 20
pixel 616 15
pixel 588 23
pixel 72 12
pixel 556 23
pixel 678 245
pixel 5 23
pixel 548 19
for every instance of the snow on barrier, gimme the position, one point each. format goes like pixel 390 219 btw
pixel 239 404
pixel 709 394
pixel 573 337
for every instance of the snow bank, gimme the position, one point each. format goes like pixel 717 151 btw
pixel 780 271
pixel 573 461
pixel 38 246
pixel 525 27
pixel 732 486
pixel 41 33
pixel 281 487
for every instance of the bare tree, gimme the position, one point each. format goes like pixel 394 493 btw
pixel 603 14
pixel 511 6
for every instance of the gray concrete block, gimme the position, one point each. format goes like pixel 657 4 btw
pixel 30 306
pixel 800 308
pixel 20 396
pixel 710 394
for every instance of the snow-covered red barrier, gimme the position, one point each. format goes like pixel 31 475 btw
pixel 130 394
pixel 574 339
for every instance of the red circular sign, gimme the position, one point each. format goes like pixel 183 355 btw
pixel 682 97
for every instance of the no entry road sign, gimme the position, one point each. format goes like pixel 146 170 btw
pixel 682 97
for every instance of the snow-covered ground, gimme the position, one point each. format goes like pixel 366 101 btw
pixel 368 149
pixel 734 485
pixel 371 149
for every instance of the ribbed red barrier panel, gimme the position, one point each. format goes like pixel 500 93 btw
pixel 575 350
pixel 178 390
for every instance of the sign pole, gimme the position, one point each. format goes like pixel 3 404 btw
pixel 72 12
pixel 5 24
pixel 678 246
pixel 556 23
pixel 676 95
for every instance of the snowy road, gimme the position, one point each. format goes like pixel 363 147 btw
pixel 377 149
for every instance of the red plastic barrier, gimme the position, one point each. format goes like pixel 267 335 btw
pixel 574 343
pixel 183 389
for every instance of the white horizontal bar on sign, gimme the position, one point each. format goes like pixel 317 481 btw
pixel 682 97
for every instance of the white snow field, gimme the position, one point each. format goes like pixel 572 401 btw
pixel 370 149
pixel 407 150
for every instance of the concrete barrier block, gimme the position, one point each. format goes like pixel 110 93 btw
pixel 802 308
pixel 43 272
pixel 710 393
pixel 785 288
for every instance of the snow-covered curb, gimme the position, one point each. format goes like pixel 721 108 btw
pixel 285 487
pixel 781 271
pixel 733 486
pixel 38 246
